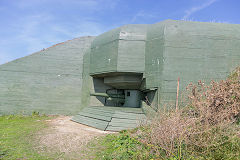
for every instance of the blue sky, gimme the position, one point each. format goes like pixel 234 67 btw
pixel 27 26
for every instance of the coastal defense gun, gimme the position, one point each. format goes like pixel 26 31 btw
pixel 117 62
pixel 121 98
pixel 112 95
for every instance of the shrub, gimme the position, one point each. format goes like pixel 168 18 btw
pixel 205 128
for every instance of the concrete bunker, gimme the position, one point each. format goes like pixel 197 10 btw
pixel 116 68
pixel 113 79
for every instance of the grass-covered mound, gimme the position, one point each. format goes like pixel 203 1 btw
pixel 206 128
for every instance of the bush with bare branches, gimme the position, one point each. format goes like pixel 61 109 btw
pixel 206 128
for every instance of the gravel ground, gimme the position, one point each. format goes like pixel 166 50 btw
pixel 66 136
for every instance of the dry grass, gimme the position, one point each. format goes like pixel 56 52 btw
pixel 206 127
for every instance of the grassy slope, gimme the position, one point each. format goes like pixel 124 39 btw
pixel 16 133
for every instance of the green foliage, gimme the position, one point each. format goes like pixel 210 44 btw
pixel 16 134
pixel 229 150
pixel 35 113
pixel 126 145
pixel 123 146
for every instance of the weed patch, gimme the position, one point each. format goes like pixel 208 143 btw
pixel 123 146
pixel 16 133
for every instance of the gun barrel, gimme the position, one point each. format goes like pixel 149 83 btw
pixel 100 94
pixel 108 95
pixel 116 99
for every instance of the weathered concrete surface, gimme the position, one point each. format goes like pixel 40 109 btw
pixel 190 50
pixel 48 81
pixel 119 50
pixel 59 80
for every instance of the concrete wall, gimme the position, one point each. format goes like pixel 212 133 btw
pixel 48 81
pixel 154 61
pixel 131 48
pixel 104 53
pixel 119 50
pixel 192 51
pixel 57 80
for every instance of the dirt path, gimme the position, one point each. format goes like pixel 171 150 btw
pixel 65 136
